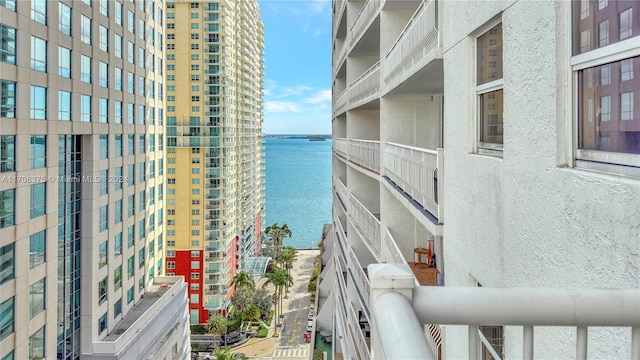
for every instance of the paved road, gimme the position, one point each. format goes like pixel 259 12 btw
pixel 291 344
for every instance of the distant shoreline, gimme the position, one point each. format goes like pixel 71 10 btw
pixel 310 137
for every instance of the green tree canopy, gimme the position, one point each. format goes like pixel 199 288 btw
pixel 242 298
pixel 263 299
pixel 243 280
pixel 278 234
pixel 226 354
pixel 216 325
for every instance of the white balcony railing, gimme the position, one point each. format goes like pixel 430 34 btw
pixel 341 102
pixel 366 16
pixel 365 86
pixel 361 280
pixel 341 190
pixel 342 54
pixel 416 171
pixel 340 147
pixel 399 316
pixel 416 41
pixel 361 343
pixel 367 225
pixel 365 153
pixel 339 7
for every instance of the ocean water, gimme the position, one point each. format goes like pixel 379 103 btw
pixel 298 188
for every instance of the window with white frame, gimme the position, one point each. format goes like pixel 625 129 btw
pixel 604 54
pixel 489 85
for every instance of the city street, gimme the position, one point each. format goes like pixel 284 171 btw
pixel 290 343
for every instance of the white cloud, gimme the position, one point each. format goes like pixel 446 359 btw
pixel 281 106
pixel 320 97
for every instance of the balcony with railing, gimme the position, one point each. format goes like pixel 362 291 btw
pixel 361 341
pixel 366 87
pixel 338 7
pixel 402 309
pixel 361 281
pixel 416 171
pixel 367 225
pixel 340 147
pixel 417 46
pixel 368 14
pixel 342 192
pixel 340 105
pixel 365 153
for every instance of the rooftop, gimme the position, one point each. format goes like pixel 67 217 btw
pixel 143 305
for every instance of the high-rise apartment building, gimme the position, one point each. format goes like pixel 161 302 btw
pixel 81 184
pixel 483 144
pixel 215 186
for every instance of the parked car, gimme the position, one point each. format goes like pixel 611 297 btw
pixel 307 337
pixel 210 356
pixel 310 325
pixel 311 315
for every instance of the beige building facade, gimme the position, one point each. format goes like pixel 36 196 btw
pixel 215 184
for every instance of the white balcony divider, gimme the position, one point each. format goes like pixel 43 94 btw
pixel 366 16
pixel 361 280
pixel 418 38
pixel 361 343
pixel 365 86
pixel 341 190
pixel 365 153
pixel 340 147
pixel 415 170
pixel 367 225
pixel 393 254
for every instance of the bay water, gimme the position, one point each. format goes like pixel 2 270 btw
pixel 298 188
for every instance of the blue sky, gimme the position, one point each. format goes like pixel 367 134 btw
pixel 297 96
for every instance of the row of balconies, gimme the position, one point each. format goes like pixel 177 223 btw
pixel 414 170
pixel 417 45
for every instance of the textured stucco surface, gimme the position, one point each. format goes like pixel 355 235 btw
pixel 520 220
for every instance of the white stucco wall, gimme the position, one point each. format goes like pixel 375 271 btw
pixel 520 220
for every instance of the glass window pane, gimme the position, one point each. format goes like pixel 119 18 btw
pixel 491 117
pixel 607 118
pixel 489 51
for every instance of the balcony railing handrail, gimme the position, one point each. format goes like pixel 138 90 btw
pixel 371 233
pixel 414 148
pixel 365 141
pixel 369 71
pixel 402 308
pixel 544 306
pixel 365 15
pixel 411 21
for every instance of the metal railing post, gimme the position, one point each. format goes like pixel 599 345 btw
pixel 396 330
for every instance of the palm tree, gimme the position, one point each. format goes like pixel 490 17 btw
pixel 217 325
pixel 243 280
pixel 226 354
pixel 288 256
pixel 277 234
pixel 279 278
pixel 251 312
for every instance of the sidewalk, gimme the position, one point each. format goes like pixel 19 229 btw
pixel 264 347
